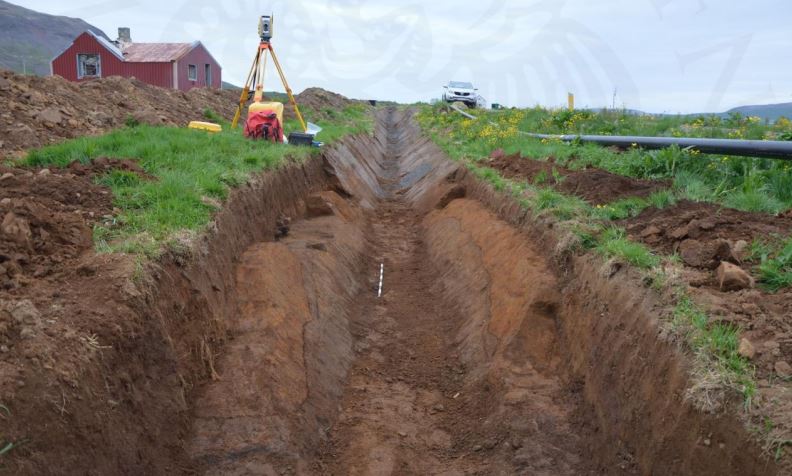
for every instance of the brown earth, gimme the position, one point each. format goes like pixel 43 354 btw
pixel 46 220
pixel 667 229
pixel 39 111
pixel 596 186
pixel 704 235
pixel 259 351
pixel 318 104
pixel 44 110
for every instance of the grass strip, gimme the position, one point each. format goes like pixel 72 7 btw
pixel 193 171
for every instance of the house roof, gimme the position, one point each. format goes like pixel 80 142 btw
pixel 156 52
pixel 107 44
pixel 143 52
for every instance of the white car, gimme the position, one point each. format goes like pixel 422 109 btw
pixel 462 92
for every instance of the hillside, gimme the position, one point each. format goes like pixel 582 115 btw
pixel 766 111
pixel 29 39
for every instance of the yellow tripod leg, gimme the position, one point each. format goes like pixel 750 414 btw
pixel 244 96
pixel 288 90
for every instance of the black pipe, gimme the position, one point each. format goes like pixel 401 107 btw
pixel 771 149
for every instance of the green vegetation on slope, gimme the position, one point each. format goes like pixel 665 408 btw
pixel 775 264
pixel 758 185
pixel 193 170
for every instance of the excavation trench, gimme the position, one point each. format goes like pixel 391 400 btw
pixel 451 370
pixel 480 357
pixel 264 348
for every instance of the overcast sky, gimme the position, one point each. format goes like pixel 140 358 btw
pixel 658 55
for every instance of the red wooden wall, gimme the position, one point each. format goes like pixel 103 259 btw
pixel 157 74
pixel 200 57
pixel 66 63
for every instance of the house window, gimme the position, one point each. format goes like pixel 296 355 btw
pixel 208 74
pixel 89 66
pixel 192 72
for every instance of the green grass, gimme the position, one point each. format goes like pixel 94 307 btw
pixel 716 345
pixel 614 243
pixel 757 185
pixel 191 169
pixel 775 266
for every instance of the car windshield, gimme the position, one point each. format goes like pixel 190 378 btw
pixel 457 84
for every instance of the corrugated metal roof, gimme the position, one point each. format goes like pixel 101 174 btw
pixel 155 52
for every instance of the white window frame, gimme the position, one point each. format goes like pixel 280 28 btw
pixel 81 71
pixel 192 68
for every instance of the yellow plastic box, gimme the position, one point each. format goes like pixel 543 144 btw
pixel 205 126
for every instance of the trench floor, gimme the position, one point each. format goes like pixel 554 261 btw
pixel 403 411
pixel 410 405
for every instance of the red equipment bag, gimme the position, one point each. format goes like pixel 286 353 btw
pixel 264 125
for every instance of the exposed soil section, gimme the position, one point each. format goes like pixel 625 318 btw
pixel 262 348
pixel 280 376
pixel 667 229
pixel 596 186
pixel 100 359
pixel 426 394
pixel 704 235
pixel 635 388
pixel 46 219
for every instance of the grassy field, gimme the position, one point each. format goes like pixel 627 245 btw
pixel 742 183
pixel 193 171
pixel 756 185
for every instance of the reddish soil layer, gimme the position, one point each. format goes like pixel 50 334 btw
pixel 596 186
pixel 99 359
pixel 667 229
pixel 46 219
pixel 704 235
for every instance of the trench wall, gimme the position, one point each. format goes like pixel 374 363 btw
pixel 632 377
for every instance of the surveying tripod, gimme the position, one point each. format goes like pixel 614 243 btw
pixel 256 74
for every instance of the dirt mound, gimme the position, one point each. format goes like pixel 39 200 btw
pixel 319 104
pixel 46 218
pixel 44 110
pixel 516 166
pixel 702 233
pixel 596 186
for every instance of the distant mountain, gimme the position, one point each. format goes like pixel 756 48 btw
pixel 230 86
pixel 766 111
pixel 770 112
pixel 269 95
pixel 29 39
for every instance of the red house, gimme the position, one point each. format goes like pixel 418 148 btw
pixel 169 65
